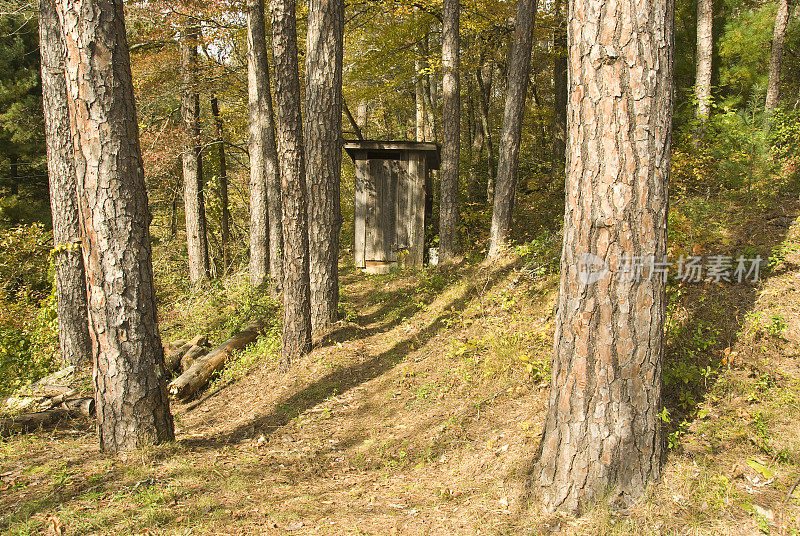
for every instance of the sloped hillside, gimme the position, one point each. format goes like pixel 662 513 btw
pixel 421 414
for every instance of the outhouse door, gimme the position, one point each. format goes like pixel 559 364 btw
pixel 389 226
pixel 381 240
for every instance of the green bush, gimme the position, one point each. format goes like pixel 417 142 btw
pixel 736 153
pixel 28 341
pixel 28 325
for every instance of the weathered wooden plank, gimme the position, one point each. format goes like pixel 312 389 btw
pixel 402 208
pixel 417 210
pixel 390 209
pixel 374 237
pixel 359 224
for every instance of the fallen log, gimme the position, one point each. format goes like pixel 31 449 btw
pixel 194 353
pixel 81 406
pixel 197 376
pixel 172 360
pixel 27 422
pixel 174 345
pixel 46 390
pixel 39 397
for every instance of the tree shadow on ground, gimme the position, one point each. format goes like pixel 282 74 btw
pixel 343 379
pixel 394 306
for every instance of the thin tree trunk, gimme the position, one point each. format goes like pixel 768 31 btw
pixel 776 57
pixel 451 134
pixel 193 201
pixel 173 220
pixel 14 173
pixel 130 380
pixel 519 62
pixel 486 95
pixel 323 132
pixel 222 183
pixel 419 101
pixel 430 106
pixel 477 139
pixel 266 234
pixel 428 95
pixel 388 129
pixel 296 339
pixel 73 322
pixel 601 434
pixel 705 44
pixel 361 117
pixel 560 89
pixel 352 120
pixel 257 86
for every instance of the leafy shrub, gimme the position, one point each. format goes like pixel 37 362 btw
pixel 217 309
pixel 24 252
pixel 28 341
pixel 28 326
pixel 736 153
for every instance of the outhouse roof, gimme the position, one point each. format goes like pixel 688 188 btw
pixel 388 149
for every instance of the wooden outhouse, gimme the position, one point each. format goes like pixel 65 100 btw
pixel 390 202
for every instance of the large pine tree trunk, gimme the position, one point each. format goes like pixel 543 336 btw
pixel 193 201
pixel 73 323
pixel 519 63
pixel 601 434
pixel 265 196
pixel 222 184
pixel 705 43
pixel 560 88
pixel 130 380
pixel 451 134
pixel 296 339
pixel 776 57
pixel 323 132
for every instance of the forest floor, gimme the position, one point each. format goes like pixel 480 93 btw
pixel 421 414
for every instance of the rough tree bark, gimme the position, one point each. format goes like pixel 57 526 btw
pixel 323 132
pixel 296 339
pixel 560 88
pixel 222 183
pixel 705 44
pixel 129 376
pixel 193 201
pixel 776 57
pixel 519 63
pixel 73 322
pixel 601 434
pixel 265 195
pixel 451 134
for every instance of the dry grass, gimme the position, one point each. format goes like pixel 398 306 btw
pixel 421 414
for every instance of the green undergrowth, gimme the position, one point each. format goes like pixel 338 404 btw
pixel 217 309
